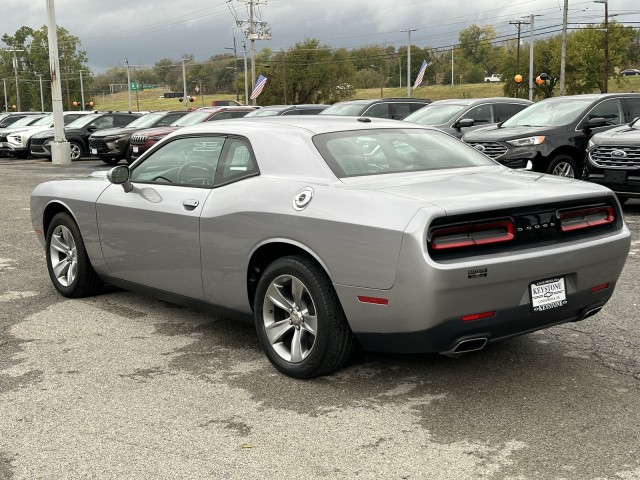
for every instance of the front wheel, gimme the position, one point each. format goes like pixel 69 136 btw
pixel 67 261
pixel 299 320
pixel 111 161
pixel 563 166
pixel 76 150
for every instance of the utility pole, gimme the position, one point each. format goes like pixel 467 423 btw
pixel 409 30
pixel 184 83
pixel 41 93
pixel 15 70
pixel 246 82
pixel 563 48
pixel 128 83
pixel 519 24
pixel 452 64
pixel 284 76
pixel 256 30
pixel 235 66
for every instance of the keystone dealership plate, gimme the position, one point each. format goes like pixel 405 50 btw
pixel 548 294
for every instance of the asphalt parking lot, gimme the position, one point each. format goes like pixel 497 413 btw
pixel 123 386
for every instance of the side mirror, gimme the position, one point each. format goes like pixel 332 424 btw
pixel 464 123
pixel 635 121
pixel 120 176
pixel 595 123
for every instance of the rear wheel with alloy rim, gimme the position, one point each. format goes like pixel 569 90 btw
pixel 300 323
pixel 67 261
pixel 563 166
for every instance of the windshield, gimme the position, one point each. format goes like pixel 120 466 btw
pixel 375 152
pixel 343 109
pixel 147 120
pixel 82 121
pixel 550 113
pixel 192 118
pixel 46 120
pixel 435 114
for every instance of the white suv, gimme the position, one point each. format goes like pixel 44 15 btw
pixel 16 143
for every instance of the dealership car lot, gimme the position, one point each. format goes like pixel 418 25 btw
pixel 121 385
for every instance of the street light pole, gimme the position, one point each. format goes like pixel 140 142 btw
pixel 41 93
pixel 606 44
pixel 6 107
pixel 235 66
pixel 531 17
pixel 409 30
pixel 184 83
pixel 81 89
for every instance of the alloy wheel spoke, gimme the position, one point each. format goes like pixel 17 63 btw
pixel 274 294
pixel 297 290
pixel 60 270
pixel 276 330
pixel 71 273
pixel 296 346
pixel 310 323
pixel 57 244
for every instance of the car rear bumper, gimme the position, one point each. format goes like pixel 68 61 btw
pixel 424 308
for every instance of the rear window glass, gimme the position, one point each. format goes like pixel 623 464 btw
pixel 381 151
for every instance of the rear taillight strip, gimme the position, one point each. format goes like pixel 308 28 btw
pixel 471 235
pixel 586 218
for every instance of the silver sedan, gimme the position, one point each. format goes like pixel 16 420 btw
pixel 330 232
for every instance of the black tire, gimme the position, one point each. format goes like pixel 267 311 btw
pixel 68 264
pixel 321 353
pixel 77 152
pixel 563 166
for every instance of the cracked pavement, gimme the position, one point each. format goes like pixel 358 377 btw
pixel 124 386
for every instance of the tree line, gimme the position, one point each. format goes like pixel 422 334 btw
pixel 311 72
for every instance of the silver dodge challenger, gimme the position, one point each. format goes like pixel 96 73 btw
pixel 330 232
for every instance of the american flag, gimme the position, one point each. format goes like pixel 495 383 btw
pixel 420 76
pixel 257 89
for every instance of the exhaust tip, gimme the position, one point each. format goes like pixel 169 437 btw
pixel 591 312
pixel 466 346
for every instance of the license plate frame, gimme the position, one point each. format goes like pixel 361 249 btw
pixel 548 294
pixel 616 177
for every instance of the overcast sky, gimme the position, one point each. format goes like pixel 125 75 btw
pixel 145 31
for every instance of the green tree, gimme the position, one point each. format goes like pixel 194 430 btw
pixel 477 48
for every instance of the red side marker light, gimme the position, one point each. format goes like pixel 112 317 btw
pixel 478 316
pixel 598 288
pixel 374 300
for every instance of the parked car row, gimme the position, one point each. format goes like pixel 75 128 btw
pixel 572 136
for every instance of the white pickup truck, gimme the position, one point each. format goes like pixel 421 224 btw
pixel 493 78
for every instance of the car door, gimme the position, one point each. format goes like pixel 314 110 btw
pixel 151 234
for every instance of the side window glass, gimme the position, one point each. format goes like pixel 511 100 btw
pixel 379 110
pixel 103 122
pixel 168 120
pixel 122 121
pixel 189 161
pixel 399 110
pixel 610 110
pixel 237 162
pixel 505 111
pixel 481 114
pixel 416 106
pixel 634 107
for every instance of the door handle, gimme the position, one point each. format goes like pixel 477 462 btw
pixel 190 204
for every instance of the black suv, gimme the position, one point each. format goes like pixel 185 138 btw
pixel 77 132
pixel 112 144
pixel 456 117
pixel 613 160
pixel 396 108
pixel 551 136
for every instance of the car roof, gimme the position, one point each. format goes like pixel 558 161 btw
pixel 367 101
pixel 473 101
pixel 305 124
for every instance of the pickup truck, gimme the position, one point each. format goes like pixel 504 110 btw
pixel 493 78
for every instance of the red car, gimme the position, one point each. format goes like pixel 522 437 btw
pixel 144 139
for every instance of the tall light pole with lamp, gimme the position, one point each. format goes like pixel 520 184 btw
pixel 184 83
pixel 81 89
pixel 128 83
pixel 6 106
pixel 409 30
